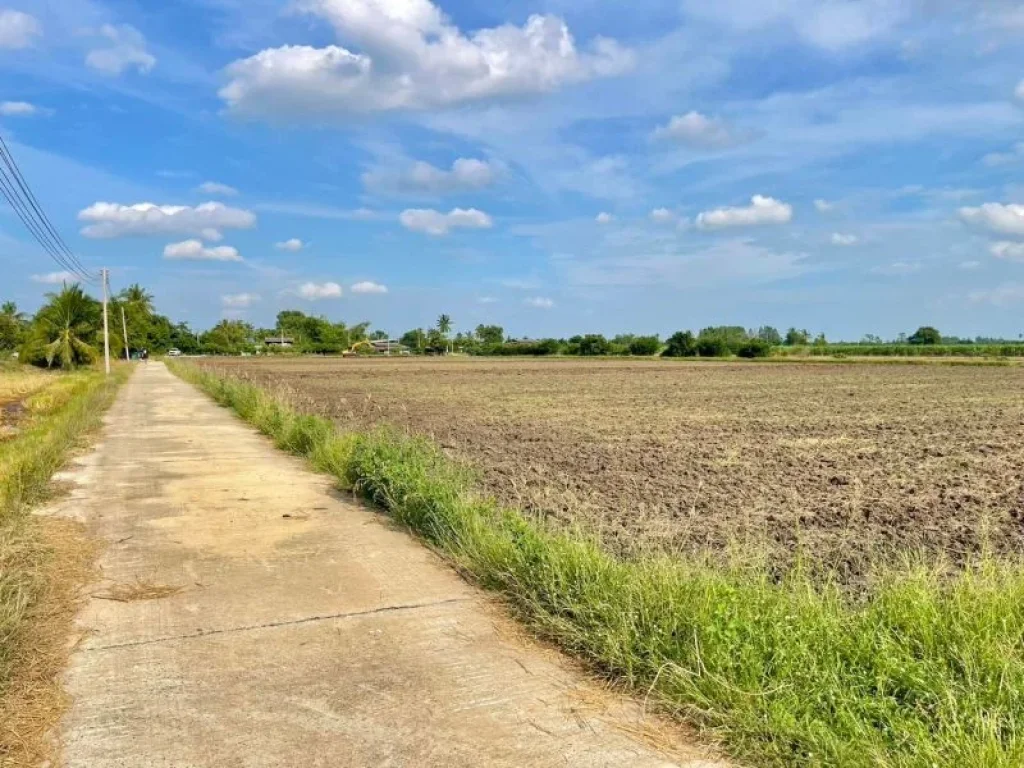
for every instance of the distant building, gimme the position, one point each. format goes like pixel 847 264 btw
pixel 279 342
pixel 392 346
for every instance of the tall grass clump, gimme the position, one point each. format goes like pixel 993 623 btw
pixel 921 669
pixel 56 419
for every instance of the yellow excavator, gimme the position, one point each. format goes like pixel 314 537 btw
pixel 354 349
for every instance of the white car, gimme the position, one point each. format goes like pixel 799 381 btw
pixel 174 352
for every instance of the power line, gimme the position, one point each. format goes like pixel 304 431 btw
pixel 19 195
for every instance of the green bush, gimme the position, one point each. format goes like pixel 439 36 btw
pixel 713 346
pixel 754 348
pixel 681 344
pixel 644 346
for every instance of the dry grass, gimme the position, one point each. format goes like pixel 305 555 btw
pixel 137 591
pixel 61 558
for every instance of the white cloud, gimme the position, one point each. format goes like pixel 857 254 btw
pixel 1008 251
pixel 604 218
pixel 315 291
pixel 1008 219
pixel 540 302
pixel 897 268
pixel 239 300
pixel 839 238
pixel 996 159
pixel 107 220
pixel 293 245
pixel 368 286
pixel 762 210
pixel 662 216
pixel 55 278
pixel 969 265
pixel 434 222
pixel 1019 93
pixel 126 50
pixel 823 206
pixel 1001 296
pixel 699 131
pixel 412 57
pixel 17 29
pixel 18 109
pixel 486 300
pixel 216 188
pixel 832 25
pixel 194 250
pixel 466 174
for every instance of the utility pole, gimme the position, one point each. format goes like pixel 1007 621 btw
pixel 124 327
pixel 104 273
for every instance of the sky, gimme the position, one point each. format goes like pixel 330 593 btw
pixel 849 166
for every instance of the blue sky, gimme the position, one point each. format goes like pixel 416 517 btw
pixel 851 166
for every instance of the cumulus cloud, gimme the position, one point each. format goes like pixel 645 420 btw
pixel 996 217
pixel 55 278
pixel 216 188
pixel 106 220
pixel 604 218
pixel 239 300
pixel 293 245
pixel 433 222
pixel 699 131
pixel 762 210
pixel 466 174
pixel 839 238
pixel 823 206
pixel 18 29
pixel 413 57
pixel 540 302
pixel 1001 296
pixel 124 48
pixel 18 109
pixel 996 159
pixel 367 286
pixel 897 268
pixel 1008 251
pixel 316 291
pixel 194 250
pixel 1019 92
pixel 662 216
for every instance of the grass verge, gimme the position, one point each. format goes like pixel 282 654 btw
pixel 924 670
pixel 43 561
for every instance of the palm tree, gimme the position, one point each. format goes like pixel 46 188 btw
pixel 10 309
pixel 444 326
pixel 137 297
pixel 65 323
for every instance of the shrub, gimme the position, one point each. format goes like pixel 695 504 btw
pixel 644 346
pixel 754 348
pixel 681 344
pixel 713 346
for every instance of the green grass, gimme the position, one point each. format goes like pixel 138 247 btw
pixel 923 670
pixel 57 418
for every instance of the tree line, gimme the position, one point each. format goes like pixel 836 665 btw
pixel 67 332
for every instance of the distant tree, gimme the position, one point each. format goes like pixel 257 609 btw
pixel 870 338
pixel 444 327
pixel 644 346
pixel 12 326
pixel 64 330
pixel 490 334
pixel 681 344
pixel 820 340
pixel 797 338
pixel 379 335
pixel 926 334
pixel 416 339
pixel 592 345
pixel 770 335
pixel 229 337
pixel 754 348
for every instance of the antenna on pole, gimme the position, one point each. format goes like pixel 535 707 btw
pixel 104 274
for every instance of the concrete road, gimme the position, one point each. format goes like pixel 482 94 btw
pixel 307 631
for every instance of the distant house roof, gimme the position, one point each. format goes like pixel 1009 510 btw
pixel 284 341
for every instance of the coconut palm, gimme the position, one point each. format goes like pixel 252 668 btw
pixel 10 309
pixel 64 325
pixel 138 298
pixel 444 327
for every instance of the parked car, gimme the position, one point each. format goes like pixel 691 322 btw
pixel 174 352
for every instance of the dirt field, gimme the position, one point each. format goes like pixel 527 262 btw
pixel 844 462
